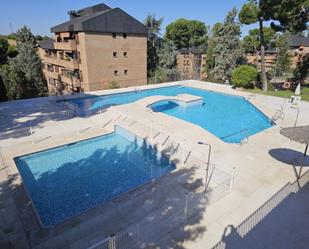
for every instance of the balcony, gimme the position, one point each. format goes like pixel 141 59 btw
pixel 68 45
pixel 67 63
pixel 49 74
pixel 68 80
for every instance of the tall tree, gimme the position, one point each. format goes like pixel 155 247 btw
pixel 227 51
pixel 210 59
pixel 283 61
pixel 23 76
pixel 186 33
pixel 302 69
pixel 24 35
pixel 167 55
pixel 153 42
pixel 251 42
pixel 290 15
pixel 4 46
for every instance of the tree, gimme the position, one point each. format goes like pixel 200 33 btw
pixel 244 76
pixel 210 59
pixel 167 55
pixel 302 69
pixel 186 33
pixel 227 51
pixel 251 42
pixel 153 41
pixel 290 14
pixel 23 76
pixel 3 96
pixel 4 46
pixel 24 35
pixel 283 61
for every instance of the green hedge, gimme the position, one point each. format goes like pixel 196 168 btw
pixel 244 76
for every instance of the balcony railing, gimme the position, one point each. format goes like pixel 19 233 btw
pixel 69 80
pixel 67 63
pixel 69 45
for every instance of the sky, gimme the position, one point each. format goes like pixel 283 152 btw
pixel 40 15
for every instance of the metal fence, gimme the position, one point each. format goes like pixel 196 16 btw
pixel 149 234
pixel 257 216
pixel 190 205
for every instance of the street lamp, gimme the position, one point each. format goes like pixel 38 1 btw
pixel 208 163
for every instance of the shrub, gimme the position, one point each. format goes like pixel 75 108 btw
pixel 244 76
pixel 112 85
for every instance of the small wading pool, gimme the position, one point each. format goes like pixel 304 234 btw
pixel 65 181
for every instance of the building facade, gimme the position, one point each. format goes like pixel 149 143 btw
pixel 98 47
pixel 191 63
pixel 298 47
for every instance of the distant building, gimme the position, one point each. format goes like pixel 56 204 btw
pixel 96 46
pixel 191 63
pixel 299 46
pixel 270 59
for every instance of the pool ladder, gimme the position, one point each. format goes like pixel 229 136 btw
pixel 278 115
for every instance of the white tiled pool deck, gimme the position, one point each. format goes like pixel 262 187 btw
pixel 258 174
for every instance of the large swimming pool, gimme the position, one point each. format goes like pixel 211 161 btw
pixel 230 118
pixel 65 181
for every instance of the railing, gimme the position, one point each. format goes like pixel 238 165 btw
pixel 192 202
pixel 279 114
pixel 2 161
pixel 73 125
pixel 257 216
pixel 173 148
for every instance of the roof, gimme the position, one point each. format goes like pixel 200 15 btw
pixel 47 44
pixel 298 40
pixel 299 134
pixel 103 19
pixel 193 50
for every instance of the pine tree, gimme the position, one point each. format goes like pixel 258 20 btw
pixel 23 75
pixel 227 51
pixel 291 15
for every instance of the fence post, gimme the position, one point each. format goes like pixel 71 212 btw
pixel 31 133
pixel 232 180
pixel 151 132
pixel 186 206
pixel 112 242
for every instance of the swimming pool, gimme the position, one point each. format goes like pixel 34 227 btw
pixel 65 181
pixel 230 118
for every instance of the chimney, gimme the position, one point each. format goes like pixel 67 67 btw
pixel 72 14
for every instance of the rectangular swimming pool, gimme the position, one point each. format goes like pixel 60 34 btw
pixel 229 117
pixel 65 181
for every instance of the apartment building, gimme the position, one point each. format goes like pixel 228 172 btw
pixel 298 47
pixel 98 45
pixel 270 59
pixel 191 62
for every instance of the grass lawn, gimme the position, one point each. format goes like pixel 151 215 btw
pixel 283 93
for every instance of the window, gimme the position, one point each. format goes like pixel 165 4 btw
pixel 116 72
pixel 125 54
pixel 124 35
pixel 50 68
pixel 126 71
pixel 115 54
pixel 114 35
pixel 56 69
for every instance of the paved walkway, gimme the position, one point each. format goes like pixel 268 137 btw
pixel 262 167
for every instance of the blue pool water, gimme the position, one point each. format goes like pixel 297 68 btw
pixel 228 117
pixel 65 181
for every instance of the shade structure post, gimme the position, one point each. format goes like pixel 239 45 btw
pixel 303 161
